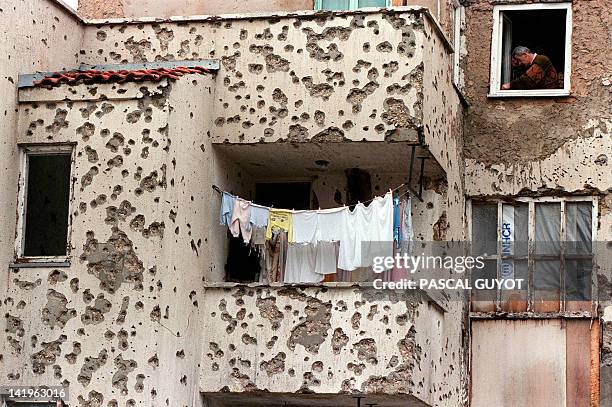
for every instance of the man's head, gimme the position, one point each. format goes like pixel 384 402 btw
pixel 522 54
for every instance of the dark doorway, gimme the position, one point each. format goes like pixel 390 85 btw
pixel 283 195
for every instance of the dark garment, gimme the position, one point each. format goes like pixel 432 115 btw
pixel 541 74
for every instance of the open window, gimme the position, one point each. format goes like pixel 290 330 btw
pixel 349 4
pixel 547 243
pixel 544 29
pixel 44 204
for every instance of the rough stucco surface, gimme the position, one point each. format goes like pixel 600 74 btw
pixel 144 236
pixel 52 42
pixel 510 145
pixel 349 77
pixel 291 339
pixel 127 307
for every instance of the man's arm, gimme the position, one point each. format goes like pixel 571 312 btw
pixel 529 80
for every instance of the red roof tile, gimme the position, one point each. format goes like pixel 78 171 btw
pixel 92 76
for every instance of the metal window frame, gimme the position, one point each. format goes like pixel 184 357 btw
pixel 496 51
pixel 353 4
pixel 531 256
pixel 25 151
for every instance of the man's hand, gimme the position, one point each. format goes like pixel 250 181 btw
pixel 506 86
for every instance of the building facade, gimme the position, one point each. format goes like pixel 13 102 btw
pixel 318 108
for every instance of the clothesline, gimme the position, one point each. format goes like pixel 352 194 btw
pixel 219 190
pixel 307 245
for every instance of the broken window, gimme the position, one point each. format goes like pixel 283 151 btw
pixel 44 201
pixel 349 4
pixel 546 243
pixel 531 50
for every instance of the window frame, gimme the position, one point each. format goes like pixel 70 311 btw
pixel 458 27
pixel 353 5
pixel 26 150
pixel 532 256
pixel 497 51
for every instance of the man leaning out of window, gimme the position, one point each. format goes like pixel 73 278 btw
pixel 540 72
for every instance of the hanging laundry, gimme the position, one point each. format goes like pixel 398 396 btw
pixel 301 263
pixel 407 231
pixel 227 209
pixel 305 226
pixel 258 235
pixel 406 237
pixel 280 219
pixel 259 215
pixel 326 254
pixel 371 228
pixel 396 221
pixel 276 254
pixel 333 224
pixel 241 220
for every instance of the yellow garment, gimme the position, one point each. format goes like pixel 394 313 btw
pixel 281 219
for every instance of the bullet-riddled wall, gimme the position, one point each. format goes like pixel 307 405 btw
pixel 145 157
pixel 127 307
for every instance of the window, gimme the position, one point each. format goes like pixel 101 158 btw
pixel 545 30
pixel 546 242
pixel 45 189
pixel 349 4
pixel 458 21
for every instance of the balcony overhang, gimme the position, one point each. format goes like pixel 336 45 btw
pixel 287 160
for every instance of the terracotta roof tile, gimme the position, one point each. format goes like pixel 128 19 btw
pixel 92 76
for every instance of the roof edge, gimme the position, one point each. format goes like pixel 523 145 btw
pixel 28 80
pixel 255 16
pixel 66 8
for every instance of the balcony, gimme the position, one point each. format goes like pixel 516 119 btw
pixel 316 342
pixel 370 75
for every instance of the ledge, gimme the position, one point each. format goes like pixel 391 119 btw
pixel 257 16
pixel 531 315
pixel 27 80
pixel 210 285
pixel 40 263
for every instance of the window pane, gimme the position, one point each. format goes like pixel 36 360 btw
pixel 546 277
pixel 578 279
pixel 372 3
pixel 484 229
pixel 488 272
pixel 548 228
pixel 578 227
pixel 46 220
pixel 335 4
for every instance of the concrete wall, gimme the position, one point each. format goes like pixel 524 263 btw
pixel 321 77
pixel 546 146
pixel 126 309
pixel 53 42
pixel 326 340
pixel 36 36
